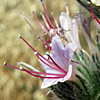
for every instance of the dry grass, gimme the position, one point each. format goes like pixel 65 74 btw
pixel 16 85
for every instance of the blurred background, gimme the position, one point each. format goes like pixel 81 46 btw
pixel 14 84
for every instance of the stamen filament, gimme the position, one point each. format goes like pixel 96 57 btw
pixel 30 72
pixel 67 10
pixel 45 21
pixel 55 20
pixel 41 76
pixel 46 14
pixel 50 64
pixel 12 66
pixel 45 43
pixel 57 65
pixel 94 14
pixel 39 22
pixel 46 73
pixel 28 44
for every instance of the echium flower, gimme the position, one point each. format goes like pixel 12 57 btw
pixel 57 65
pixel 70 72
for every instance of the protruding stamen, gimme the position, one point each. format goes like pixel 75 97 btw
pixel 39 21
pixel 40 73
pixel 47 15
pixel 93 13
pixel 55 20
pixel 28 44
pixel 45 21
pixel 38 35
pixel 11 66
pixel 43 59
pixel 67 10
pixel 42 76
pixel 48 63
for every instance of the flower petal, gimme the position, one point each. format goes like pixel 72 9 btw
pixel 66 23
pixel 58 52
pixel 49 82
pixel 74 33
pixel 49 69
pixel 68 75
pixel 69 50
pixel 56 44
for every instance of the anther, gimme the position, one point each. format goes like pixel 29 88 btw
pixel 35 53
pixel 41 0
pixel 21 68
pixel 89 2
pixel 32 12
pixel 52 13
pixel 65 4
pixel 41 13
pixel 47 53
pixel 38 37
pixel 5 63
pixel 19 36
